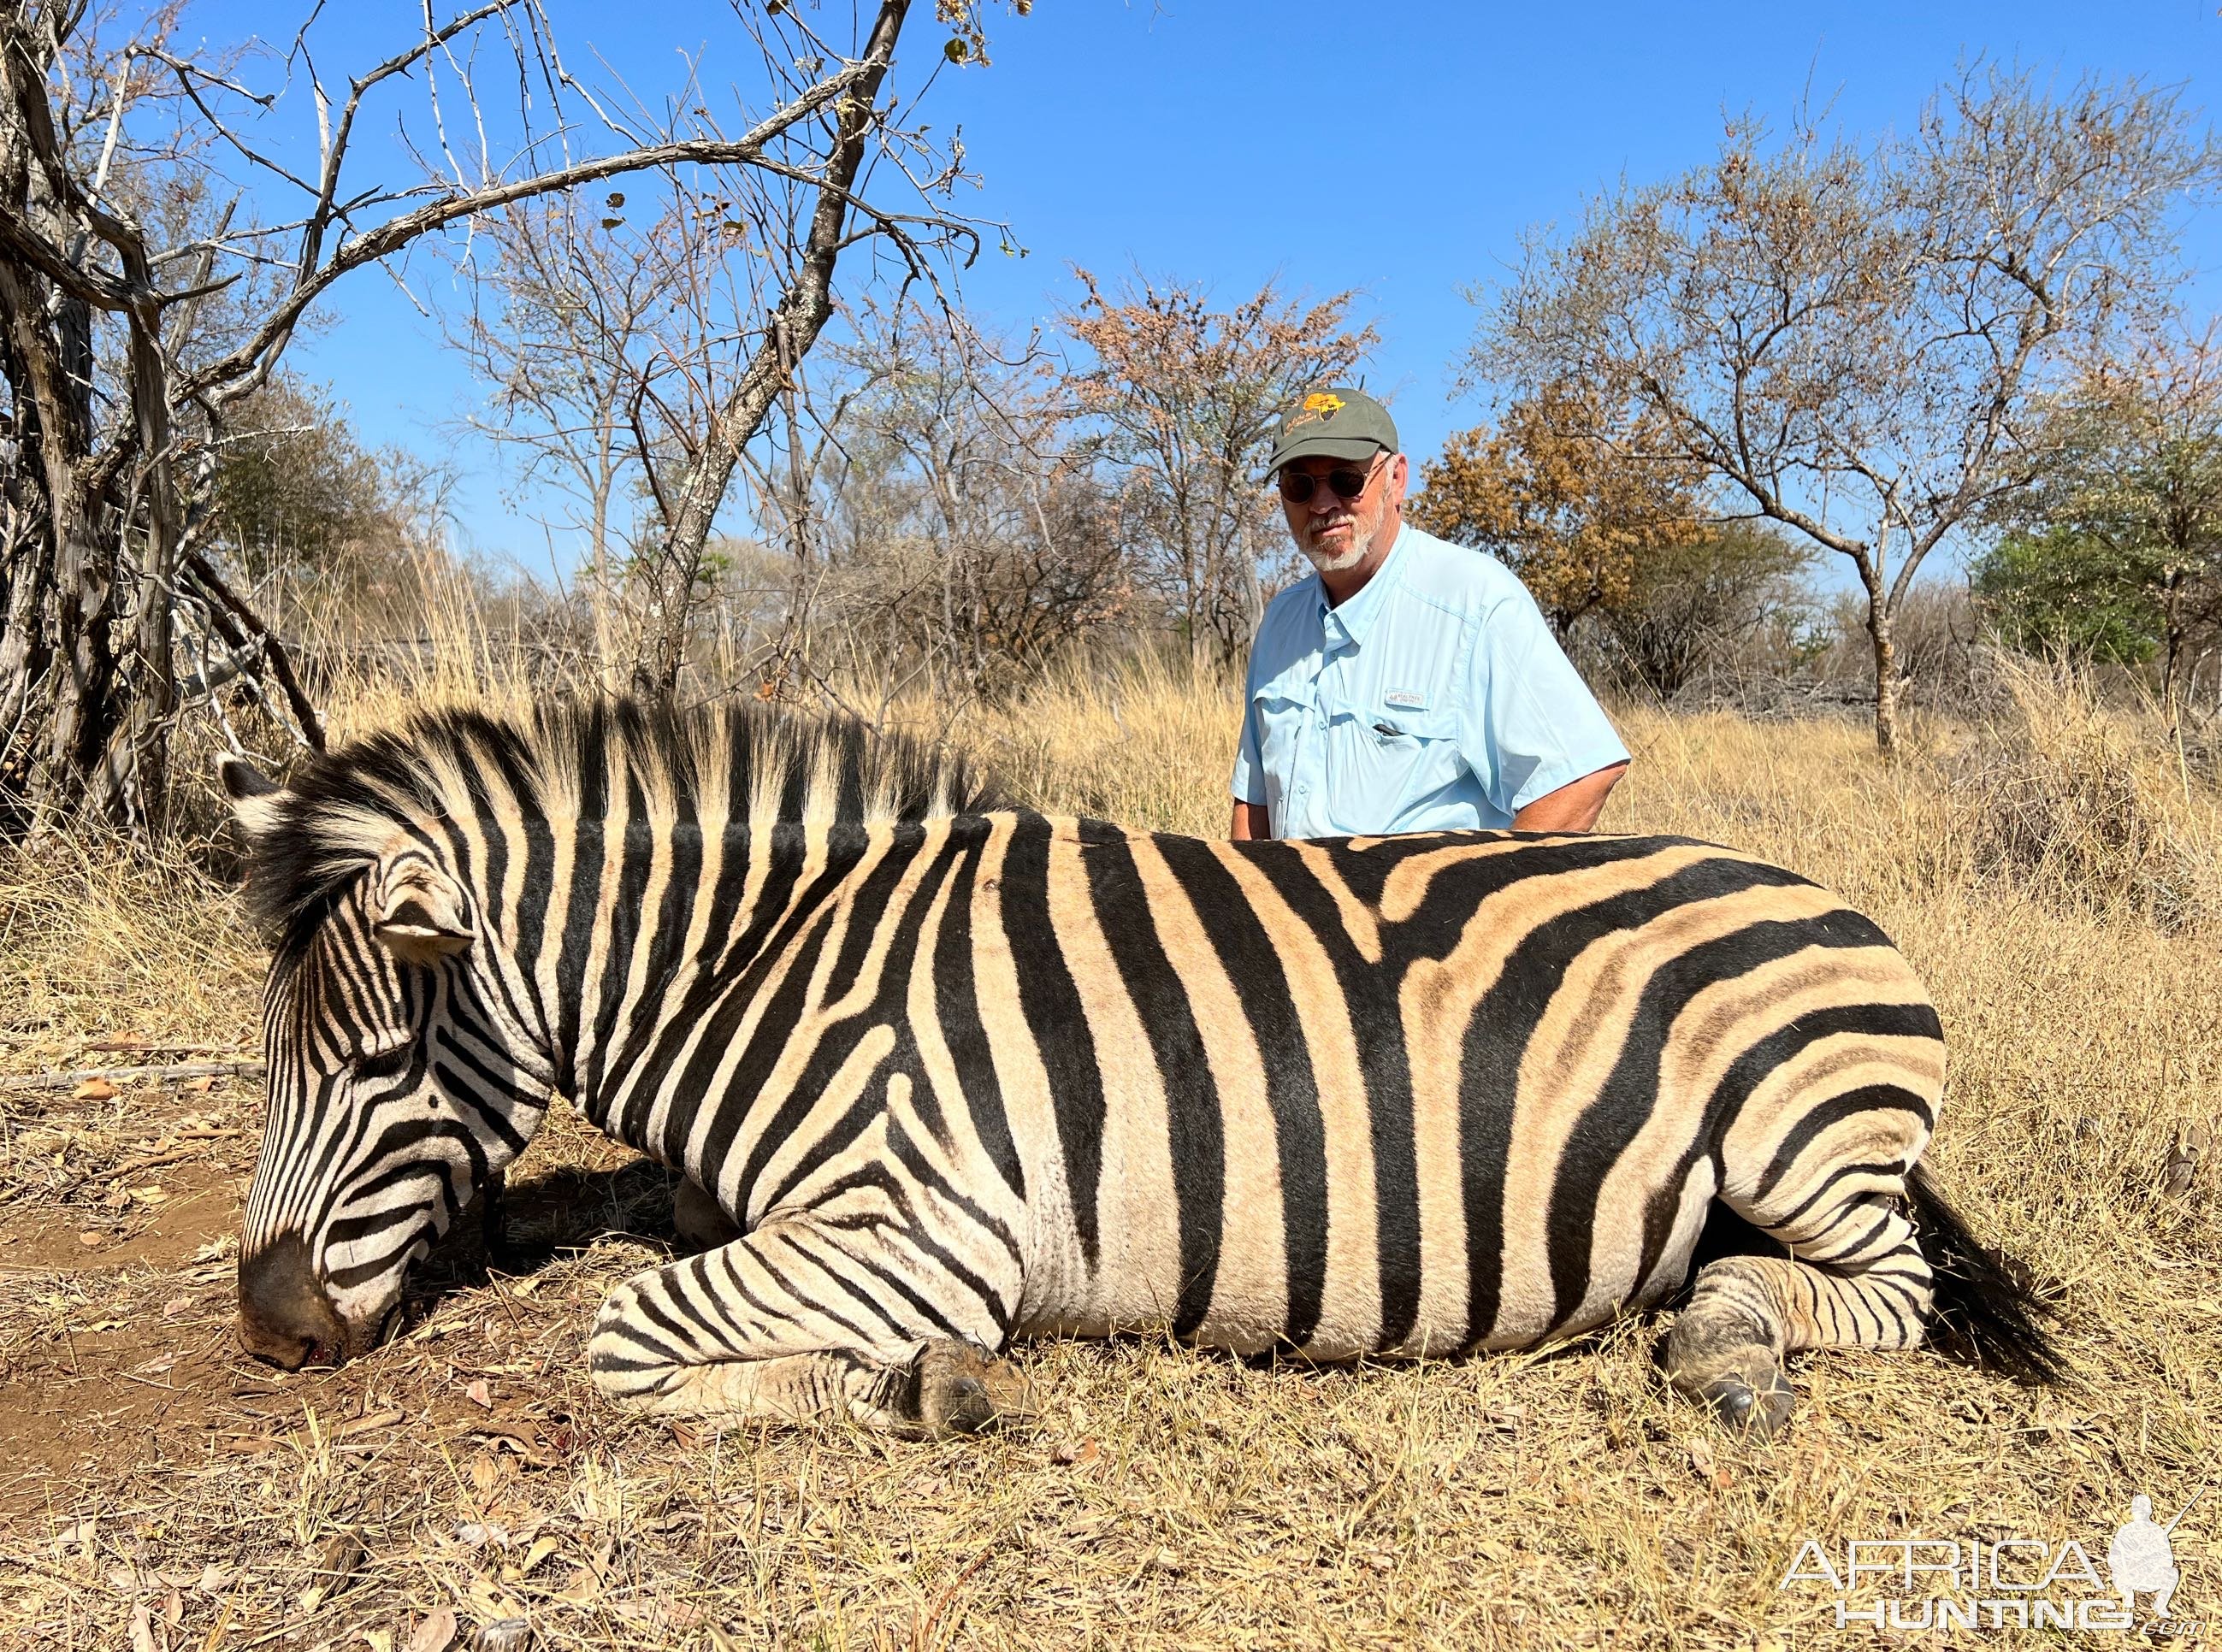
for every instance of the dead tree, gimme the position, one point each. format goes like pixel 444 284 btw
pixel 159 246
pixel 640 346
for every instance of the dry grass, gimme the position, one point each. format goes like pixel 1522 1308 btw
pixel 2090 805
pixel 158 1491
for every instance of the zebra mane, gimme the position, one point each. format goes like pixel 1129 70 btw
pixel 718 765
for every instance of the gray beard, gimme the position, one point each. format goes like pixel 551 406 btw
pixel 1332 562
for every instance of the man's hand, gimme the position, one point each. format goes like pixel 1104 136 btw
pixel 1574 807
pixel 1250 821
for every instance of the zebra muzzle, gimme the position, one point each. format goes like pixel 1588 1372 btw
pixel 284 1315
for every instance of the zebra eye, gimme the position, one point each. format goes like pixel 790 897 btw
pixel 383 1064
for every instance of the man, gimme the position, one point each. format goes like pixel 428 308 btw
pixel 1408 686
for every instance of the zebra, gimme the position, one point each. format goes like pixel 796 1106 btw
pixel 951 1073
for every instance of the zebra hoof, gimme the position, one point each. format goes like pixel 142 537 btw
pixel 1758 1411
pixel 955 1388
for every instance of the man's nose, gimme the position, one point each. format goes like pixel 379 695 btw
pixel 284 1315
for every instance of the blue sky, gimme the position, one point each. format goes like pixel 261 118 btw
pixel 1400 148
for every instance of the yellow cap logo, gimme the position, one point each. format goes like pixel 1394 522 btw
pixel 1320 402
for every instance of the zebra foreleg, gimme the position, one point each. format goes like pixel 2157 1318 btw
pixel 800 1319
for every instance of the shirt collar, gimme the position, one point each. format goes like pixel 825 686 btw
pixel 1354 618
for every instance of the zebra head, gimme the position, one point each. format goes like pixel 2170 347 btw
pixel 399 1081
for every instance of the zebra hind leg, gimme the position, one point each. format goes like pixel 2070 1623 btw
pixel 1858 1279
pixel 772 1325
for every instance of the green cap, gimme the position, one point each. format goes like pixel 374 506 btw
pixel 1334 423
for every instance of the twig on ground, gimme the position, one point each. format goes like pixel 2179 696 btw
pixel 70 1081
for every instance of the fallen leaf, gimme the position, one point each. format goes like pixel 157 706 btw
pixel 385 1419
pixel 493 1603
pixel 88 1237
pixel 579 1588
pixel 434 1633
pixel 2180 1168
pixel 176 1305
pixel 332 1565
pixel 201 1086
pixel 1077 1454
pixel 1701 1458
pixel 541 1549
pixel 93 1090
pixel 480 1392
pixel 142 1629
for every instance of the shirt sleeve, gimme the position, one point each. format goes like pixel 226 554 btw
pixel 1249 782
pixel 1529 724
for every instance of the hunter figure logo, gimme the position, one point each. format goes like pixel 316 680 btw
pixel 2140 1559
pixel 2027 1583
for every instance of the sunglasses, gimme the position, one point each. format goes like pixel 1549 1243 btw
pixel 1299 486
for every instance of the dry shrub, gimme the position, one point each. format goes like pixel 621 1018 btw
pixel 2088 806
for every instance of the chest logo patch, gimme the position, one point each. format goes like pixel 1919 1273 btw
pixel 1405 699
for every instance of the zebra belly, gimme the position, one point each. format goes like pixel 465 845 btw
pixel 1139 1283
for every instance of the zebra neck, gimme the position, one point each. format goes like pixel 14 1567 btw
pixel 681 970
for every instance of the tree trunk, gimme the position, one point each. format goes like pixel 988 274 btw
pixel 2172 581
pixel 1881 621
pixel 60 746
pixel 795 325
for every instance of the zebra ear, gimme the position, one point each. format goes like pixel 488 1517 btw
pixel 254 796
pixel 420 913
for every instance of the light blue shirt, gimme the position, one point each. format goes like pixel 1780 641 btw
pixel 1435 699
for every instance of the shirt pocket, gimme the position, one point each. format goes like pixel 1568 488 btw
pixel 1385 760
pixel 1282 712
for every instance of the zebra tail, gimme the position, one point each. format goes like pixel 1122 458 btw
pixel 1985 1311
